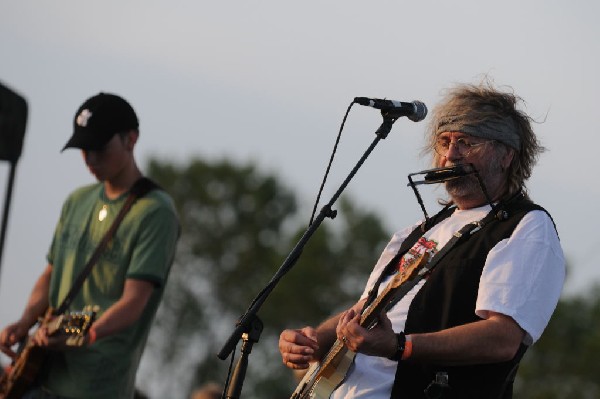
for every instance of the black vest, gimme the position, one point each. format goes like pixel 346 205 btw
pixel 447 299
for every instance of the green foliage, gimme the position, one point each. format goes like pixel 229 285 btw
pixel 231 219
pixel 238 225
pixel 333 269
pixel 563 364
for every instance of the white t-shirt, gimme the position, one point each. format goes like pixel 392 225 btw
pixel 523 277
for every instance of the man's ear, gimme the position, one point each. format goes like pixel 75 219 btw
pixel 507 158
pixel 131 139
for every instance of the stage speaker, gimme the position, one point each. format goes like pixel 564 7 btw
pixel 13 119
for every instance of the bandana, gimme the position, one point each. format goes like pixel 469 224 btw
pixel 501 129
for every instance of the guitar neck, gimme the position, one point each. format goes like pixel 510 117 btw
pixel 371 313
pixel 367 320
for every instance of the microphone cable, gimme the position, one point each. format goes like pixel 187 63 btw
pixel 337 141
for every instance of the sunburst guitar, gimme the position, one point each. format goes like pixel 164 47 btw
pixel 323 377
pixel 21 374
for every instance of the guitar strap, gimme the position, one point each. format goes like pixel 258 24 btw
pixel 139 189
pixel 465 232
pixel 412 238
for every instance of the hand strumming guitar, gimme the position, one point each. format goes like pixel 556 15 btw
pixel 12 335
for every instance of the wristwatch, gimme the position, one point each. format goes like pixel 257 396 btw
pixel 400 345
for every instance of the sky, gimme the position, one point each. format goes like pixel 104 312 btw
pixel 269 82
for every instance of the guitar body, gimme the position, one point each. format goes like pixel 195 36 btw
pixel 324 377
pixel 21 375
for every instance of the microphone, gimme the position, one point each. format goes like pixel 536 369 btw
pixel 415 111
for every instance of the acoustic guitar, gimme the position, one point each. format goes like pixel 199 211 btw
pixel 323 377
pixel 21 374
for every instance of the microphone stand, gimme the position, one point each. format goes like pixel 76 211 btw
pixel 249 326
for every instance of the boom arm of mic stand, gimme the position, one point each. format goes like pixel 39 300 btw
pixel 245 323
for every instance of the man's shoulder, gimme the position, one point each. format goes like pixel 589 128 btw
pixel 158 198
pixel 157 203
pixel 84 192
pixel 530 208
pixel 523 202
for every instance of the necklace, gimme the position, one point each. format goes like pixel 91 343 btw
pixel 103 212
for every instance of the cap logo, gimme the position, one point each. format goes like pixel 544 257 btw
pixel 83 117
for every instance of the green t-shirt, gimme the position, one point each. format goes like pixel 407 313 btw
pixel 142 248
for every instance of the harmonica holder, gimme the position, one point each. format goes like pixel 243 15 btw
pixel 441 175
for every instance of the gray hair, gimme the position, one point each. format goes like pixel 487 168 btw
pixel 483 111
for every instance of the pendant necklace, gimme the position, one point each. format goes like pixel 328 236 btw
pixel 103 212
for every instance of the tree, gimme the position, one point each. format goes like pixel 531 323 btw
pixel 238 225
pixel 563 364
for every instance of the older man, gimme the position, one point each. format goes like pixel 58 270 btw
pixel 462 329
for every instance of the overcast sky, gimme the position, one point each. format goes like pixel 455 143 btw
pixel 269 82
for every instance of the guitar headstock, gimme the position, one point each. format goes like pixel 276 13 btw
pixel 410 270
pixel 75 325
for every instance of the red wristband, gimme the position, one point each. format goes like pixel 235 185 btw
pixel 407 348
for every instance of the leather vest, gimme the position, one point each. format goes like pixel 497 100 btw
pixel 447 299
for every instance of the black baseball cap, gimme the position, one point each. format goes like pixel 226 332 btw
pixel 98 119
